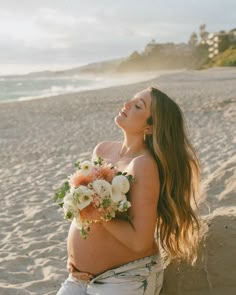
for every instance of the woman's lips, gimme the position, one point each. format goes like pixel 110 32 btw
pixel 123 113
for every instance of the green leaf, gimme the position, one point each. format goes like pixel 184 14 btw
pixel 130 177
pixel 61 204
pixel 69 215
pixel 61 192
pixel 77 165
pixel 99 161
pixel 106 203
pixel 83 233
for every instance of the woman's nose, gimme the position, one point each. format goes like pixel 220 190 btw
pixel 127 105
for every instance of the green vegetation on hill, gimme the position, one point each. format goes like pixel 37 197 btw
pixel 224 59
pixel 173 58
pixel 207 50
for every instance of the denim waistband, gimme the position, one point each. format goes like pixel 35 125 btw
pixel 145 262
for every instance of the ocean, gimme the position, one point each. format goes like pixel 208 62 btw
pixel 26 87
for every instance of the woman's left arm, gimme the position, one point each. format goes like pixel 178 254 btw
pixel 144 194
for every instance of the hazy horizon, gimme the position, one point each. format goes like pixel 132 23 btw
pixel 57 35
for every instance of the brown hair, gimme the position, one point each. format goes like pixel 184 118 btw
pixel 177 224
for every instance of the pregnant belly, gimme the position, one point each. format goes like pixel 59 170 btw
pixel 99 251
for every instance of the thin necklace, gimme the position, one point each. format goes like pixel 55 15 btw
pixel 133 155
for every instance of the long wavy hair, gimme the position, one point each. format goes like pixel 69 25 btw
pixel 178 223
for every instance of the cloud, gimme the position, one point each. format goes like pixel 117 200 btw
pixel 82 31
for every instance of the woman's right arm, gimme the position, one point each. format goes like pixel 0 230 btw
pixel 144 194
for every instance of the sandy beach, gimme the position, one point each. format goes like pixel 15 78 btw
pixel 41 139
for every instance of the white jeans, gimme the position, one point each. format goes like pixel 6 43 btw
pixel 142 276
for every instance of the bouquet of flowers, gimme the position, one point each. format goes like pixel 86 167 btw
pixel 96 192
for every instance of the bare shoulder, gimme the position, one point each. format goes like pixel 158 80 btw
pixel 146 180
pixel 144 162
pixel 102 148
pixel 144 167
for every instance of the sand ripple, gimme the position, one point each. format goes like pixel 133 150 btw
pixel 40 141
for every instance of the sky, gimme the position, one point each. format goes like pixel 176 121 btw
pixel 56 34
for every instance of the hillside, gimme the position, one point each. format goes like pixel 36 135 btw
pixel 224 59
pixel 103 67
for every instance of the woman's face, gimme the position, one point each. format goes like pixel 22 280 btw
pixel 135 112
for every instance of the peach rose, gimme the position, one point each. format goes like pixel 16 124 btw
pixel 106 172
pixel 78 179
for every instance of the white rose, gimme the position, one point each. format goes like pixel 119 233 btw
pixel 86 167
pixel 102 188
pixel 84 196
pixel 68 197
pixel 121 183
pixel 84 201
pixel 117 195
pixel 80 190
pixel 72 190
pixel 68 206
pixel 68 201
pixel 124 206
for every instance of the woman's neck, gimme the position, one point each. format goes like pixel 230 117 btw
pixel 132 147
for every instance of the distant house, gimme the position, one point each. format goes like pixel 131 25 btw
pixel 232 35
pixel 150 47
pixel 220 41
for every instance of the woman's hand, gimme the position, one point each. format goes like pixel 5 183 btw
pixel 70 266
pixel 78 275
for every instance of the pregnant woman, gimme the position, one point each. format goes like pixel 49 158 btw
pixel 121 257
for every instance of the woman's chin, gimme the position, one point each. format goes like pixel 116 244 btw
pixel 118 120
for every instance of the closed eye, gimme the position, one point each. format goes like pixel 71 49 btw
pixel 137 107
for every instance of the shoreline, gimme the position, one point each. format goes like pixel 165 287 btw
pixel 105 80
pixel 154 76
pixel 42 138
